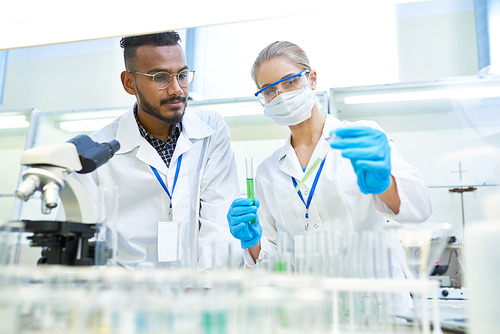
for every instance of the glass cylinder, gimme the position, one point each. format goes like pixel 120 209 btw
pixel 10 242
pixel 106 243
pixel 250 185
pixel 249 171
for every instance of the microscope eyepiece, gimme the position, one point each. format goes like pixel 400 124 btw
pixel 113 147
pixel 92 154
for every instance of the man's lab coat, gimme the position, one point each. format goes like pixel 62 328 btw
pixel 206 186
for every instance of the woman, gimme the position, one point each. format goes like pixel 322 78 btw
pixel 360 183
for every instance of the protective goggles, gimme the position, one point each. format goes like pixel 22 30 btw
pixel 288 84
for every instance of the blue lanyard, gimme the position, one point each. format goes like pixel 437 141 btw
pixel 311 193
pixel 179 161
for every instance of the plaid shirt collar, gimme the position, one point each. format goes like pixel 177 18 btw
pixel 165 148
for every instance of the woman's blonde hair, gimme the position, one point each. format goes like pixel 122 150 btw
pixel 281 49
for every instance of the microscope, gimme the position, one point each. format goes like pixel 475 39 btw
pixel 52 171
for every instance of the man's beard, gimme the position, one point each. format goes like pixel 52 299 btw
pixel 155 111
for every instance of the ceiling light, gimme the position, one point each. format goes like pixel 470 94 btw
pixel 12 122
pixel 85 125
pixel 462 93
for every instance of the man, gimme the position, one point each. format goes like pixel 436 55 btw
pixel 175 170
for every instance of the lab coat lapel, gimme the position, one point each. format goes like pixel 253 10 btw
pixel 193 128
pixel 290 164
pixel 130 139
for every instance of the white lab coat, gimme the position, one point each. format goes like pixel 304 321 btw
pixel 338 203
pixel 206 186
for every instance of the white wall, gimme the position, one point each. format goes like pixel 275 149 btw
pixel 351 47
pixel 83 75
pixel 11 147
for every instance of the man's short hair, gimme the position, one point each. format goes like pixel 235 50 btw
pixel 130 44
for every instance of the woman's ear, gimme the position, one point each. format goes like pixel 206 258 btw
pixel 313 79
pixel 128 82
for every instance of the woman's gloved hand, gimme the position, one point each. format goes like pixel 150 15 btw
pixel 370 155
pixel 241 213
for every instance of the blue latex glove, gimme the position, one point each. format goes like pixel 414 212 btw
pixel 370 155
pixel 241 212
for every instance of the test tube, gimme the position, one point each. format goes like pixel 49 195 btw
pixel 250 187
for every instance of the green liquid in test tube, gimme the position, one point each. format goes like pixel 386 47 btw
pixel 250 187
pixel 280 266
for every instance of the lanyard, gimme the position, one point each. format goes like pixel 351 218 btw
pixel 179 161
pixel 311 193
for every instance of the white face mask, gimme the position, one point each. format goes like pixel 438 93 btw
pixel 291 108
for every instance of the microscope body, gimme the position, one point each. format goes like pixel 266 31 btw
pixel 52 170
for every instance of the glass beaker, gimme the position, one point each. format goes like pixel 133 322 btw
pixel 226 255
pixel 106 241
pixel 11 234
pixel 423 245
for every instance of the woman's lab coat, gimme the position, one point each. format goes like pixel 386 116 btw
pixel 206 186
pixel 338 203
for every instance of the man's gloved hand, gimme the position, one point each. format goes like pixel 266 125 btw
pixel 241 212
pixel 370 156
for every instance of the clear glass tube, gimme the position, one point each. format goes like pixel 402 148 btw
pixel 249 170
pixel 250 185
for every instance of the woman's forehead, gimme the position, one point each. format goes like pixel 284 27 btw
pixel 275 69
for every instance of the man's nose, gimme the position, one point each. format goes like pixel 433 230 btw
pixel 174 88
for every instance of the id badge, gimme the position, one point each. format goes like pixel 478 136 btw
pixel 169 241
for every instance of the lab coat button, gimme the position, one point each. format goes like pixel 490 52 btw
pixel 316 226
pixel 306 192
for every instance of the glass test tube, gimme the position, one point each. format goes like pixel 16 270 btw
pixel 250 187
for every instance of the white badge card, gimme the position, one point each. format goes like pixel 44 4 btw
pixel 169 241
